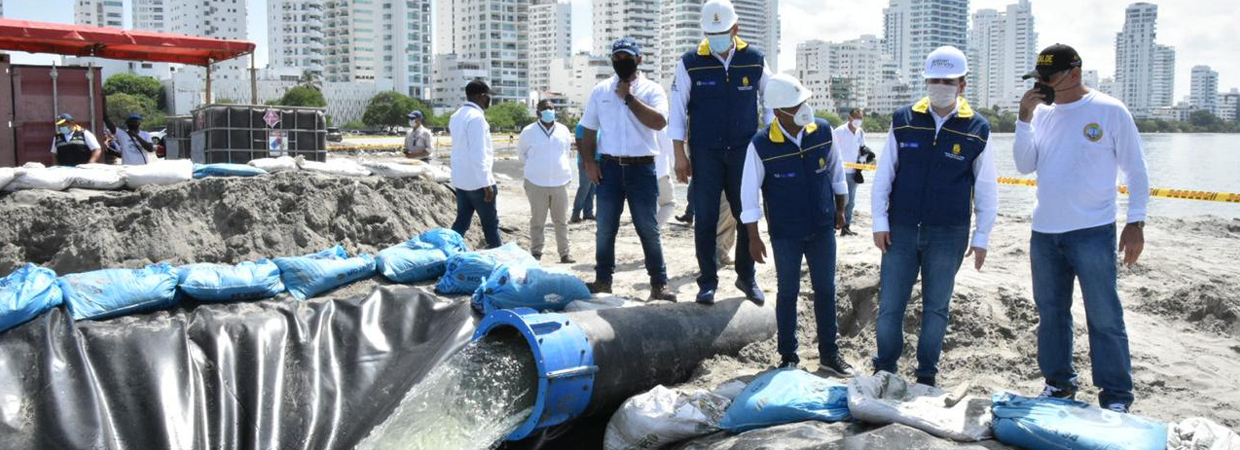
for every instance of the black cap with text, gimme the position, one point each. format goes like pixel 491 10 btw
pixel 1054 59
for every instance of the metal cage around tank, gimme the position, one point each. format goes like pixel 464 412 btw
pixel 240 133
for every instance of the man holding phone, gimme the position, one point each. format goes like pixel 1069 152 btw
pixel 1077 140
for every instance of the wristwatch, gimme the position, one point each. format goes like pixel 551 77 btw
pixel 628 98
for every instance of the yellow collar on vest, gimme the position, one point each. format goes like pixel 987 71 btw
pixel 777 132
pixel 704 47
pixel 963 110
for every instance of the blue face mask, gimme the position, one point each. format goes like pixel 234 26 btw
pixel 548 115
pixel 720 43
pixel 64 130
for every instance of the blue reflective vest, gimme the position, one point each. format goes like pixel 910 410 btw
pixel 723 104
pixel 796 189
pixel 934 178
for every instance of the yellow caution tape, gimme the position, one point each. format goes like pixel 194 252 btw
pixel 1182 194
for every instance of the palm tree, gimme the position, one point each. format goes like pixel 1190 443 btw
pixel 311 79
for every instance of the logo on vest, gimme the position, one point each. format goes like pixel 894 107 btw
pixel 822 165
pixel 955 153
pixel 706 82
pixel 909 145
pixel 1093 132
pixel 745 85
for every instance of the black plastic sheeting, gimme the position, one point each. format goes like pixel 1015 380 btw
pixel 276 374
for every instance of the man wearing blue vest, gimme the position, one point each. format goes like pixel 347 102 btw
pixel 795 165
pixel 937 164
pixel 714 108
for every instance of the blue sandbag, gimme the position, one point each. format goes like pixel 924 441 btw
pixel 313 274
pixel 410 263
pixel 1060 423
pixel 786 396
pixel 511 287
pixel 116 292
pixel 444 239
pixel 27 292
pixel 465 271
pixel 226 170
pixel 221 282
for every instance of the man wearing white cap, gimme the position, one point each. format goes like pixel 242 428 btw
pixel 714 108
pixel 937 165
pixel 797 169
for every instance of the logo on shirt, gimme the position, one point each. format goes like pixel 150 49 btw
pixel 745 81
pixel 956 149
pixel 1093 132
pixel 908 145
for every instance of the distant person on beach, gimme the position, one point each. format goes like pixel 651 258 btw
pixel 137 147
pixel 1077 140
pixel 419 144
pixel 715 112
pixel 583 201
pixel 795 167
pixel 622 121
pixel 73 145
pixel 851 139
pixel 543 149
pixel 472 159
pixel 936 173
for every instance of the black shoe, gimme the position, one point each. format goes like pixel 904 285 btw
pixel 589 217
pixel 686 219
pixel 752 291
pixel 662 292
pixel 575 219
pixel 537 256
pixel 706 296
pixel 836 366
pixel 567 259
pixel 928 381
pixel 785 363
pixel 1054 392
pixel 599 287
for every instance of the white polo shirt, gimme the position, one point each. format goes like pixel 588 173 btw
pixel 849 145
pixel 472 153
pixel 621 133
pixel 544 154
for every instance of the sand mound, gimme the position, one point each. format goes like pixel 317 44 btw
pixel 217 220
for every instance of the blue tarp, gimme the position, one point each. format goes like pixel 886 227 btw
pixel 311 275
pixel 226 170
pixel 221 282
pixel 785 396
pixel 116 292
pixel 26 293
pixel 1057 423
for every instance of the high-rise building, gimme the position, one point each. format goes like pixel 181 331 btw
pixel 449 78
pixel 1089 78
pixel 1203 92
pixel 371 40
pixel 1163 89
pixel 575 77
pixel 914 28
pixel 495 35
pixel 759 27
pixel 150 15
pixel 680 30
pixel 551 37
pixel 1229 105
pixel 851 68
pixel 1002 47
pixel 445 30
pixel 295 36
pixel 1109 86
pixel 637 19
pixel 1144 70
pixel 99 13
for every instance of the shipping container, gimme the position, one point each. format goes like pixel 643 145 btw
pixel 30 99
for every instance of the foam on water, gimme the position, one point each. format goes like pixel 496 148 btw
pixel 469 403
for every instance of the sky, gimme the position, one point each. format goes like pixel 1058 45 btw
pixel 1201 31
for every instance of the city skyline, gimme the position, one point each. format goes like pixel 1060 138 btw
pixel 802 20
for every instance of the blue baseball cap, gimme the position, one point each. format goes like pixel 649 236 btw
pixel 415 114
pixel 627 45
pixel 61 119
pixel 134 117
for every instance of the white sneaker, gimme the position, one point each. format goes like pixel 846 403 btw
pixel 1054 392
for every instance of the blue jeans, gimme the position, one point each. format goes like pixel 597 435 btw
pixel 469 202
pixel 934 252
pixel 584 200
pixel 1088 255
pixel 717 171
pixel 639 185
pixel 852 199
pixel 819 253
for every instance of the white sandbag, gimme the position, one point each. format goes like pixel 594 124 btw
pixel 886 398
pixel 438 174
pixel 275 165
pixel 98 179
pixel 159 173
pixel 98 166
pixel 337 167
pixel 7 174
pixel 663 416
pixel 393 169
pixel 1201 434
pixel 730 389
pixel 33 165
pixel 53 178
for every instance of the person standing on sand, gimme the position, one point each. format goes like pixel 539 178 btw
pixel 472 160
pixel 419 144
pixel 797 169
pixel 938 162
pixel 543 149
pixel 851 139
pixel 1077 140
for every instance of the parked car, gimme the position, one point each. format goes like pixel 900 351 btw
pixel 333 135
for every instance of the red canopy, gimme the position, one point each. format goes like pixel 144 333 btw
pixel 115 43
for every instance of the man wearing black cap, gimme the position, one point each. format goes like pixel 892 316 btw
pixel 136 146
pixel 1077 140
pixel 419 144
pixel 472 157
pixel 73 144
pixel 622 121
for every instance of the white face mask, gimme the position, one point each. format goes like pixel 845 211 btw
pixel 413 124
pixel 942 95
pixel 805 115
pixel 856 123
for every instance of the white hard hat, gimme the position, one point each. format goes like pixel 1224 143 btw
pixel 946 62
pixel 718 16
pixel 784 91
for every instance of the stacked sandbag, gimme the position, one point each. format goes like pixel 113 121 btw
pixel 26 293
pixel 1060 423
pixel 438 174
pixel 785 396
pixel 885 398
pixel 411 261
pixel 35 176
pixel 116 292
pixel 7 174
pixel 313 274
pixel 1201 434
pixel 159 173
pixel 103 179
pixel 223 283
pixel 412 169
pixel 663 416
pixel 466 271
pixel 445 239
pixel 226 170
pixel 525 286
pixel 337 167
pixel 275 165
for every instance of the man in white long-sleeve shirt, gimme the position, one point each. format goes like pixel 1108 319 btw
pixel 937 165
pixel 1077 140
pixel 472 158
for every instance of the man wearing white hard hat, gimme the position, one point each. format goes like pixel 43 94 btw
pixel 796 167
pixel 714 108
pixel 937 165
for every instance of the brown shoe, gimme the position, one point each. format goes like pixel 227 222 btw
pixel 662 292
pixel 567 259
pixel 599 287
